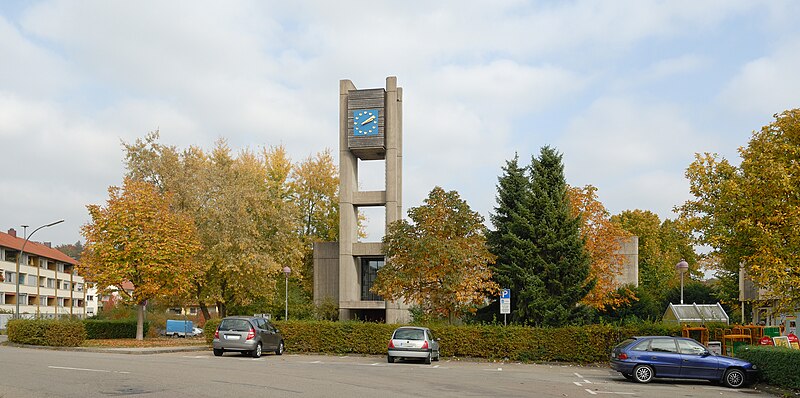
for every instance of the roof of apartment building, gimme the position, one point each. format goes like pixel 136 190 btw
pixel 11 240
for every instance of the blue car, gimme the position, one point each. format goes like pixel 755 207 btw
pixel 645 358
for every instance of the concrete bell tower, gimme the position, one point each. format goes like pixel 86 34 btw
pixel 370 128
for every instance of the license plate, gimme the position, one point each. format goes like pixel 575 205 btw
pixel 231 337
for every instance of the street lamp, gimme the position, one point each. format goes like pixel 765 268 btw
pixel 286 272
pixel 19 257
pixel 682 267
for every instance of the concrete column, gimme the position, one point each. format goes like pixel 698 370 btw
pixel 393 161
pixel 348 213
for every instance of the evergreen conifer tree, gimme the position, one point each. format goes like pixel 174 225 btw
pixel 541 254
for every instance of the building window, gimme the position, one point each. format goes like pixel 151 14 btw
pixel 369 271
pixel 9 276
pixel 89 298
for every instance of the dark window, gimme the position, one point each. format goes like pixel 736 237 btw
pixel 369 271
pixel 409 334
pixel 235 325
pixel 663 345
pixel 641 346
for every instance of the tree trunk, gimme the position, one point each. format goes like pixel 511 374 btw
pixel 140 323
pixel 204 310
pixel 221 309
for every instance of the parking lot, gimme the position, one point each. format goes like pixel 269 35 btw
pixel 40 373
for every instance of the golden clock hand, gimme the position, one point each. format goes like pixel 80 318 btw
pixel 371 118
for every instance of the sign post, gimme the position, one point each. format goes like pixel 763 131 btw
pixel 505 304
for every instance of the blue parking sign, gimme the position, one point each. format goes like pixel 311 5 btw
pixel 505 293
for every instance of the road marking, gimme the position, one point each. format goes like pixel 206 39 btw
pixel 591 392
pixel 316 362
pixel 88 370
pixel 375 364
pixel 578 384
pixel 587 381
pixel 579 376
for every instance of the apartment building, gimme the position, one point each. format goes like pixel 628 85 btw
pixel 49 287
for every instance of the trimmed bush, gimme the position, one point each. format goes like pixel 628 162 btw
pixel 778 365
pixel 581 344
pixel 59 333
pixel 209 329
pixel 112 329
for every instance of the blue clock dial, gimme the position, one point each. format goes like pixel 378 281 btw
pixel 365 122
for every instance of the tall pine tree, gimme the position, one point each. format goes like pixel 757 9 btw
pixel 540 253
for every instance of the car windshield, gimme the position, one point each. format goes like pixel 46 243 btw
pixel 624 343
pixel 236 325
pixel 409 334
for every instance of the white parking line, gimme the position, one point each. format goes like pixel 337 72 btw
pixel 579 376
pixel 88 370
pixel 578 384
pixel 591 392
pixel 587 381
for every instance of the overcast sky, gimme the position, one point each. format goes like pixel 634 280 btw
pixel 627 91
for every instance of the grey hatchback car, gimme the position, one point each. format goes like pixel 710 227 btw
pixel 248 335
pixel 413 342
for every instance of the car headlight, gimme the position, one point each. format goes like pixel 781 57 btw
pixel 755 367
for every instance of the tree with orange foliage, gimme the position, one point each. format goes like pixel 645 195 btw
pixel 440 261
pixel 602 241
pixel 138 238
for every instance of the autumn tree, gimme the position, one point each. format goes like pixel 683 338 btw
pixel 73 250
pixel 603 242
pixel 138 238
pixel 541 254
pixel 661 246
pixel 315 185
pixel 439 260
pixel 244 208
pixel 748 214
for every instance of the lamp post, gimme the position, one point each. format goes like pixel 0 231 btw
pixel 682 267
pixel 19 257
pixel 286 272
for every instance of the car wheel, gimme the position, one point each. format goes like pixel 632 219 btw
pixel 389 359
pixel 428 359
pixel 627 376
pixel 280 349
pixel 257 352
pixel 437 357
pixel 734 378
pixel 643 373
pixel 218 352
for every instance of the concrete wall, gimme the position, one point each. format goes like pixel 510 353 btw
pixel 630 263
pixel 326 271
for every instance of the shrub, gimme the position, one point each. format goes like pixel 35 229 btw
pixel 582 344
pixel 112 329
pixel 66 333
pixel 778 365
pixel 209 329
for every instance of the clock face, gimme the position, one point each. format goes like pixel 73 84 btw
pixel 365 122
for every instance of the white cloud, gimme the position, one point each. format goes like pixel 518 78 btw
pixel 769 84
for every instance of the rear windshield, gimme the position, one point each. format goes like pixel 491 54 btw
pixel 235 325
pixel 625 343
pixel 409 334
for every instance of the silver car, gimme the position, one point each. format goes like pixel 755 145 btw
pixel 248 335
pixel 412 342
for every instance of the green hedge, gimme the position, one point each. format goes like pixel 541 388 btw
pixel 581 344
pixel 63 333
pixel 778 365
pixel 112 329
pixel 209 329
